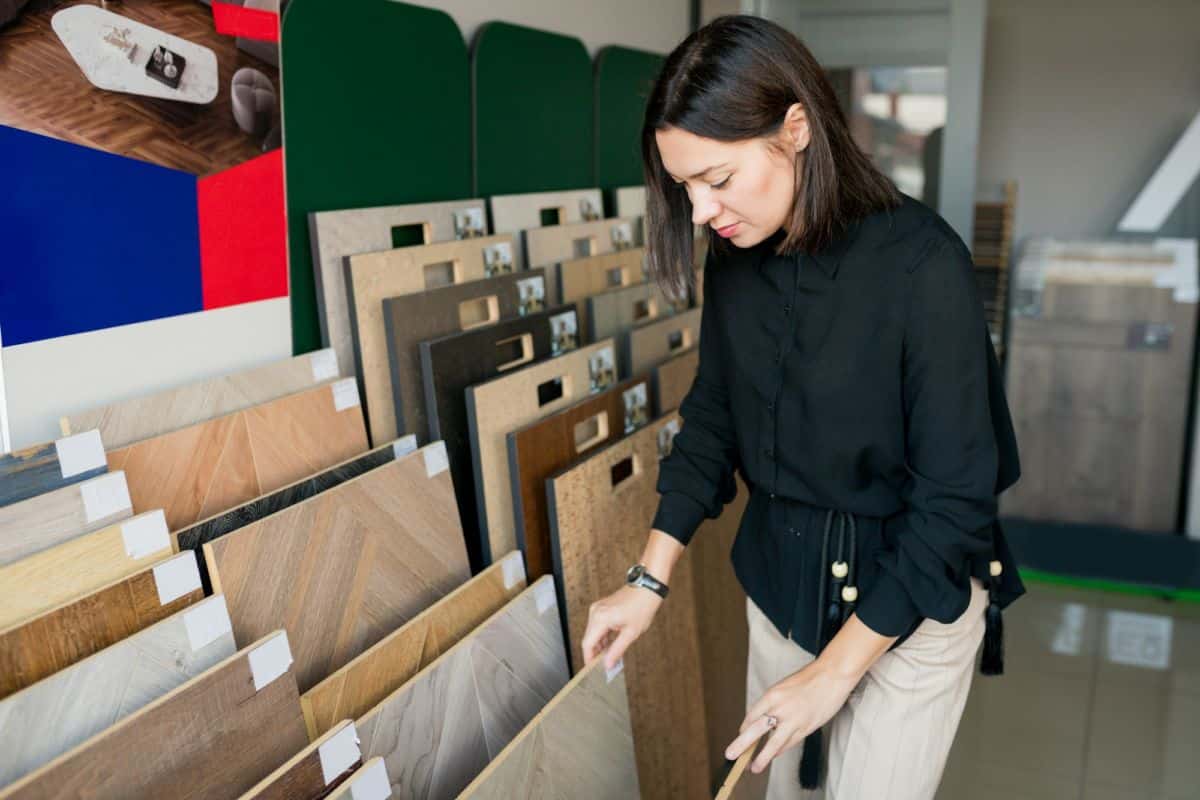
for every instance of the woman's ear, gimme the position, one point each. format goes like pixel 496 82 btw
pixel 795 128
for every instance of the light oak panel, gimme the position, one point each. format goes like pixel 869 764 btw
pixel 581 278
pixel 48 519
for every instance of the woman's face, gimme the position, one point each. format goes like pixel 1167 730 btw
pixel 742 190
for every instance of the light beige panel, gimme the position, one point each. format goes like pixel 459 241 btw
pixel 54 517
pixel 513 213
pixel 651 344
pixel 583 277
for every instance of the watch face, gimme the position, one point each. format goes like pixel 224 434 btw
pixel 634 573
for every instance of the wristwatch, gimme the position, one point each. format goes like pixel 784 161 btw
pixel 638 576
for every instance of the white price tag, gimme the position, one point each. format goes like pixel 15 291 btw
pixel 345 394
pixel 176 577
pixel 436 460
pixel 543 594
pixel 404 445
pixel 270 660
pixel 617 669
pixel 80 453
pixel 373 783
pixel 324 365
pixel 339 753
pixel 105 496
pixel 206 622
pixel 145 534
pixel 514 570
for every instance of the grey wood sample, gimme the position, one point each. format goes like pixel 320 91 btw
pixel 513 213
pixel 580 745
pixel 615 311
pixel 138 418
pixel 212 737
pixel 581 278
pixel 51 465
pixel 343 569
pixel 647 346
pixel 439 730
pixel 673 379
pixel 48 519
pixel 549 245
pixel 45 720
pixel 452 363
pixel 339 233
pixel 415 318
pixel 195 536
pixel 503 404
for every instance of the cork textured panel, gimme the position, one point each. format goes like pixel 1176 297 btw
pixel 581 278
pixel 582 738
pixel 414 318
pixel 673 379
pixel 439 730
pixel 341 570
pixel 41 468
pixel 371 278
pixel 140 418
pixel 615 311
pixel 600 512
pixel 647 346
pixel 550 245
pixel 194 536
pixel 346 232
pixel 370 677
pixel 55 517
pixel 513 213
pixel 452 363
pixel 214 736
pixel 69 633
pixel 542 448
pixel 39 582
pixel 69 707
pixel 316 770
pixel 198 471
pixel 503 404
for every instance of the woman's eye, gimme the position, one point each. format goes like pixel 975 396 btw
pixel 722 184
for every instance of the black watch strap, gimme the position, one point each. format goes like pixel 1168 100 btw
pixel 638 576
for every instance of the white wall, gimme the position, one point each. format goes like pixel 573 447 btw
pixel 654 25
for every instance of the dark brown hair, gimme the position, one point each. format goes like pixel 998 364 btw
pixel 732 80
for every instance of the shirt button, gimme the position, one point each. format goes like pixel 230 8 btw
pixel 787 310
pixel 769 453
pixel 770 406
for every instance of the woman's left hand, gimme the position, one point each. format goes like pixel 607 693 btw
pixel 799 704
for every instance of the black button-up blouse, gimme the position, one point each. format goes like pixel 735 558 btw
pixel 858 394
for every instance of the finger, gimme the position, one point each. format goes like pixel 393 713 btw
pixel 617 649
pixel 756 712
pixel 747 737
pixel 597 629
pixel 779 741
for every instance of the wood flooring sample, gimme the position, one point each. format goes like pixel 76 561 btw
pixel 198 471
pixel 39 582
pixel 601 509
pixel 615 311
pixel 505 403
pixel 54 517
pixel 439 730
pixel 370 677
pixel 581 278
pixel 341 570
pixel 194 536
pixel 648 345
pixel 69 633
pixel 371 278
pixel 150 415
pixel 371 782
pixel 49 466
pixel 551 244
pixel 213 737
pixel 544 447
pixel 54 715
pixel 579 747
pixel 673 379
pixel 316 770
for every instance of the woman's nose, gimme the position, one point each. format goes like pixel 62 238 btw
pixel 704 211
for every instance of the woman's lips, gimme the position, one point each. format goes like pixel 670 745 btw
pixel 728 230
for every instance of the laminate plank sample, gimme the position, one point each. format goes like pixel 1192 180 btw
pixel 364 682
pixel 735 785
pixel 39 582
pixel 49 466
pixel 547 246
pixel 503 404
pixel 581 278
pixel 194 536
pixel 316 770
pixel 150 415
pixel 347 232
pixel 371 782
pixel 631 201
pixel 45 720
pixel 55 517
pixel 673 379
pixel 513 213
pixel 371 278
pixel 600 510
pixel 212 737
pixel 647 346
pixel 579 746
pixel 53 641
pixel 542 448
pixel 452 363
pixel 615 311
pixel 341 570
pixel 439 730
pixel 414 318
pixel 198 471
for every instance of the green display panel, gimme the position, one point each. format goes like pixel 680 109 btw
pixel 533 111
pixel 623 81
pixel 376 111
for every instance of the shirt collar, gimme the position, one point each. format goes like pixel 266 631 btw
pixel 830 258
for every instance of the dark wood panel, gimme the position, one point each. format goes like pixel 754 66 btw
pixel 452 363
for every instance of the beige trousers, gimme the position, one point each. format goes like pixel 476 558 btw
pixel 891 738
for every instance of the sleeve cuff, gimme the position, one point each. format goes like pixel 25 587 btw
pixel 888 609
pixel 678 515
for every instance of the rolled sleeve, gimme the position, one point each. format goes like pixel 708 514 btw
pixel 951 452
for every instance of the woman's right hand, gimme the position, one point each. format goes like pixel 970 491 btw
pixel 625 614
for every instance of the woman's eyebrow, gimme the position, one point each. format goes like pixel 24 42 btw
pixel 702 172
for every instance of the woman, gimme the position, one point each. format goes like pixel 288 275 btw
pixel 847 372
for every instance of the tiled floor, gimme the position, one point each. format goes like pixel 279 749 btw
pixel 1100 700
